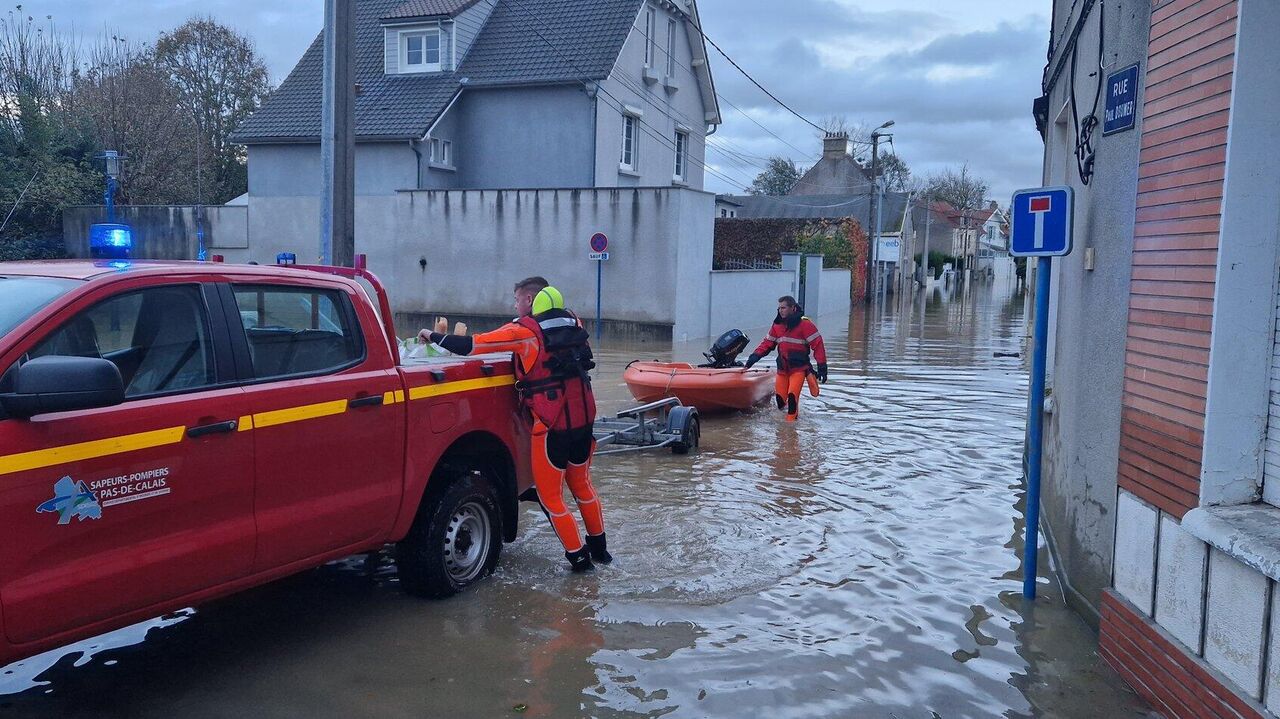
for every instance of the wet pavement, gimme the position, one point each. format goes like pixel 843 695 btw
pixel 863 562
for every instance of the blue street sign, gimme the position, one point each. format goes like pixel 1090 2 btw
pixel 1122 101
pixel 1042 222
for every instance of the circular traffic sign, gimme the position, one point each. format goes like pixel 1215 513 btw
pixel 599 242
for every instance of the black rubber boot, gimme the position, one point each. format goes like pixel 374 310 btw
pixel 579 561
pixel 598 548
pixel 782 403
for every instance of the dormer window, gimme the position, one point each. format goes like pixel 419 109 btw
pixel 420 51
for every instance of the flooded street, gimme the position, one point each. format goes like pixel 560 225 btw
pixel 861 562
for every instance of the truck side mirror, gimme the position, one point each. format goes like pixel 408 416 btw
pixel 63 384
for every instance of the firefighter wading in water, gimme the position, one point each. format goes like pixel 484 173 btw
pixel 552 358
pixel 794 336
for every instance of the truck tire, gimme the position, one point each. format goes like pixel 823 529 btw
pixel 455 540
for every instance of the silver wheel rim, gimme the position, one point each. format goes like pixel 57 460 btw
pixel 466 542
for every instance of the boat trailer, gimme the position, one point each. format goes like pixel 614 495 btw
pixel 665 423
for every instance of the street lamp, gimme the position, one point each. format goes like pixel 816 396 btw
pixel 110 240
pixel 873 220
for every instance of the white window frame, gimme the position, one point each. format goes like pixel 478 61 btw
pixel 650 30
pixel 629 159
pixel 671 48
pixel 441 152
pixel 424 66
pixel 681 169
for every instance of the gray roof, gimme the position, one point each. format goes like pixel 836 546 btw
pixel 429 8
pixel 822 207
pixel 524 42
pixel 833 176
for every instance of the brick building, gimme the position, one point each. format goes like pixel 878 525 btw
pixel 1163 460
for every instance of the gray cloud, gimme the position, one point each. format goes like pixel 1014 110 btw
pixel 911 66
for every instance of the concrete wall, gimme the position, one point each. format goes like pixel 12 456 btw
pixel 477 243
pixel 746 299
pixel 665 106
pixel 1082 435
pixel 294 170
pixel 835 297
pixel 161 232
pixel 536 137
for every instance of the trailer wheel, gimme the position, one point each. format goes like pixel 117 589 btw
pixel 455 540
pixel 684 420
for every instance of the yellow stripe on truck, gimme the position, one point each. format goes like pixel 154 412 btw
pixel 435 390
pixel 69 453
pixel 90 450
pixel 298 414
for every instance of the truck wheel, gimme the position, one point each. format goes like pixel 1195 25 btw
pixel 455 541
pixel 685 421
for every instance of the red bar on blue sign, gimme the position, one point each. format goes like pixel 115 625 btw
pixel 1041 204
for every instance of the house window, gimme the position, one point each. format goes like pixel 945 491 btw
pixel 442 152
pixel 650 41
pixel 724 213
pixel 671 48
pixel 420 51
pixel 682 156
pixel 630 126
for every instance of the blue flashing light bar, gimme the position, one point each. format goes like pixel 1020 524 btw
pixel 110 241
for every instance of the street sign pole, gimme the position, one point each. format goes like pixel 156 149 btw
pixel 1042 227
pixel 599 294
pixel 1035 420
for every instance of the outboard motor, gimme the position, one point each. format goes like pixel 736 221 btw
pixel 724 353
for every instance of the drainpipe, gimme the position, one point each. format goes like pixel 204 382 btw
pixel 413 145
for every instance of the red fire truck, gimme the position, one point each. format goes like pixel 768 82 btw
pixel 174 432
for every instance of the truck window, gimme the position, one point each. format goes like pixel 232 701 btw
pixel 298 331
pixel 158 337
pixel 21 297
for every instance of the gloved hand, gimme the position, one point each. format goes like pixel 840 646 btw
pixel 429 337
pixel 754 358
pixel 822 372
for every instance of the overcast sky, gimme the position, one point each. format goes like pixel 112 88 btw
pixel 957 77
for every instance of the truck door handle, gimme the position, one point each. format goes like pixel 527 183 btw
pixel 373 400
pixel 208 429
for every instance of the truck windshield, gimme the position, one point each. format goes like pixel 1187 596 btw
pixel 21 297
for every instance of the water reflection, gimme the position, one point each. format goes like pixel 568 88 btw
pixel 862 562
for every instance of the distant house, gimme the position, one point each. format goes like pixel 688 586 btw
pixel 837 173
pixel 726 206
pixel 976 237
pixel 472 94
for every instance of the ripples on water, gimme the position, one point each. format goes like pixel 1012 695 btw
pixel 861 562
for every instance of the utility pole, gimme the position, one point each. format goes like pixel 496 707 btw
pixel 337 137
pixel 873 216
pixel 924 257
pixel 874 229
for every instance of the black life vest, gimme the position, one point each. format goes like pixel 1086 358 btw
pixel 557 389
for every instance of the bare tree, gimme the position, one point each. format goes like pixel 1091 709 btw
pixel 958 188
pixel 135 108
pixel 222 81
pixel 36 64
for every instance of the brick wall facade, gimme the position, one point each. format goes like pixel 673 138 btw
pixel 1179 211
pixel 1157 667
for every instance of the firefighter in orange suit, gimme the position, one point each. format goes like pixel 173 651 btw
pixel 797 339
pixel 552 358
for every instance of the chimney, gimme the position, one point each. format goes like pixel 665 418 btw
pixel 835 145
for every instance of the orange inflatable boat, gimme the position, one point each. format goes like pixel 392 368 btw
pixel 709 389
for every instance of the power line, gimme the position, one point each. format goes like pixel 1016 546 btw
pixel 746 74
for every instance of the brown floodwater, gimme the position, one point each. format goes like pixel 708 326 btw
pixel 863 562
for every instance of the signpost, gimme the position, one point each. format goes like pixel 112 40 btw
pixel 1041 228
pixel 1122 101
pixel 599 243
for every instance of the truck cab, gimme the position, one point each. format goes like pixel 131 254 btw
pixel 175 432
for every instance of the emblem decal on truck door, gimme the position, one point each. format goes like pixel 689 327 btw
pixel 72 499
